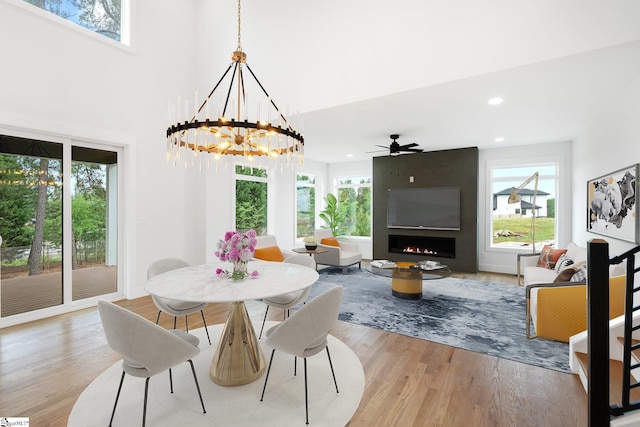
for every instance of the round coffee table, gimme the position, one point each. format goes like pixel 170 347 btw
pixel 406 279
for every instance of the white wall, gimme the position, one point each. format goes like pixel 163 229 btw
pixel 611 143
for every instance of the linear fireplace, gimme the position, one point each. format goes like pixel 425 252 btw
pixel 443 247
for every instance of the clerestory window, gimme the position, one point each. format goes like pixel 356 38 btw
pixel 104 17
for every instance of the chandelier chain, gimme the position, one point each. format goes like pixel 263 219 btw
pixel 239 43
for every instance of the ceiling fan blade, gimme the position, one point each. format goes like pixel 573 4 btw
pixel 376 151
pixel 383 146
pixel 413 144
pixel 414 150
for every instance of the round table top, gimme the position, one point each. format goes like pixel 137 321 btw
pixel 200 282
pixel 426 274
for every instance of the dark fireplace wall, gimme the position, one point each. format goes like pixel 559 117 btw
pixel 446 168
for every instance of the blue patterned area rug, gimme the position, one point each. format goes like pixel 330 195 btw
pixel 479 316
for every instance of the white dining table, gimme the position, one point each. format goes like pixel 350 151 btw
pixel 238 358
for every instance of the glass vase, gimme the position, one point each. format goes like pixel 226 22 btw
pixel 239 270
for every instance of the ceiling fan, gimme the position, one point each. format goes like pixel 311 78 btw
pixel 396 148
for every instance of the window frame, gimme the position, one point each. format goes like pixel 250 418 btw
pixel 528 167
pixel 268 181
pixel 338 185
pixel 315 204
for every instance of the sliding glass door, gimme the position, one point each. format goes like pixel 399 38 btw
pixel 30 225
pixel 94 179
pixel 40 244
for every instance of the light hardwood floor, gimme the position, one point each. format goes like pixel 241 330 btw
pixel 46 364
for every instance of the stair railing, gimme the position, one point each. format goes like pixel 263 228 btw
pixel 600 410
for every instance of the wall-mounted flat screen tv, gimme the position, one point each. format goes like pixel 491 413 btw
pixel 435 208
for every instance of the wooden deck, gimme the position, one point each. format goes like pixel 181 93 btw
pixel 26 293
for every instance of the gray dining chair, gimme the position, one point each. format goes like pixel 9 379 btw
pixel 146 349
pixel 304 334
pixel 290 299
pixel 172 307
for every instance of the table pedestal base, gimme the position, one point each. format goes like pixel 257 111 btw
pixel 238 360
pixel 406 283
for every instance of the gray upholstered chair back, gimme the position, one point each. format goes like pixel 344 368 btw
pixel 299 259
pixel 146 348
pixel 305 332
pixel 166 264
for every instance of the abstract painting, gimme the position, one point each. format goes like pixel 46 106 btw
pixel 612 203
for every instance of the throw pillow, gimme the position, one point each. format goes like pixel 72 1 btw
pixel 549 256
pixel 563 262
pixel 271 253
pixel 330 241
pixel 580 275
pixel 565 275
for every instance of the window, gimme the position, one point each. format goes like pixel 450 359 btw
pixel 512 224
pixel 354 205
pixel 305 205
pixel 100 16
pixel 251 199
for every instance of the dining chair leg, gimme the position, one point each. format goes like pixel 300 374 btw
pixel 205 326
pixel 332 372
pixel 263 321
pixel 144 409
pixel 186 323
pixel 195 378
pixel 266 378
pixel 170 380
pixel 158 318
pixel 175 322
pixel 117 397
pixel 306 398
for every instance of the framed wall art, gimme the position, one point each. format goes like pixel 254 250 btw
pixel 612 202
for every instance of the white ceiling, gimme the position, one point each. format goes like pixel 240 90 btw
pixel 364 69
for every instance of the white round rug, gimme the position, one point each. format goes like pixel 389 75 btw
pixel 283 403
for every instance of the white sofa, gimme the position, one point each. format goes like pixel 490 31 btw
pixel 533 274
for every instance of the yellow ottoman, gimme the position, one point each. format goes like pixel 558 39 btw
pixel 406 283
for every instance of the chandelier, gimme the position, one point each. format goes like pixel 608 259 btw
pixel 267 135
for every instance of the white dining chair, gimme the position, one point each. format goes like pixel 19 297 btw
pixel 175 308
pixel 305 332
pixel 146 349
pixel 290 299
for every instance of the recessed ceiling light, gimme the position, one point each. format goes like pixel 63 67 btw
pixel 349 155
pixel 499 139
pixel 495 101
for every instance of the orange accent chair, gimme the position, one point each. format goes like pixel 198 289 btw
pixel 560 309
